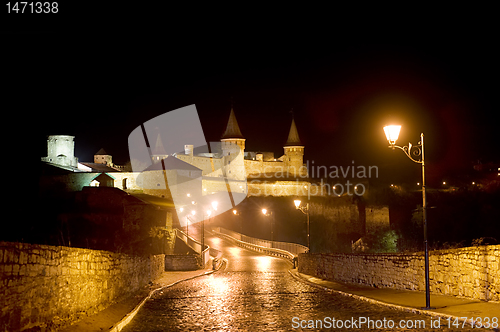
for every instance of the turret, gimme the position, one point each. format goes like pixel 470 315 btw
pixel 61 150
pixel 102 157
pixel 233 147
pixel 294 152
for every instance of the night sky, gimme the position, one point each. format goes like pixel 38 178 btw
pixel 343 87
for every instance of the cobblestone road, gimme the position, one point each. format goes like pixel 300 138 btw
pixel 256 293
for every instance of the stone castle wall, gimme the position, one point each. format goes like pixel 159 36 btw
pixel 277 188
pixel 465 272
pixel 273 169
pixel 49 286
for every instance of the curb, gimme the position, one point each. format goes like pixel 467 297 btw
pixel 128 317
pixel 298 277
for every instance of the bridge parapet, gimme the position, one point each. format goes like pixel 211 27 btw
pixel 285 250
pixel 196 246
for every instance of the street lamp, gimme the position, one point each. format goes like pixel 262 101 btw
pixel 392 134
pixel 264 212
pixel 236 213
pixel 305 210
pixel 209 212
pixel 193 212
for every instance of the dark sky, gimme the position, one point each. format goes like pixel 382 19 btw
pixel 343 87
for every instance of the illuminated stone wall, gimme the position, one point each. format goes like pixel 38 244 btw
pixel 470 272
pixel 49 286
pixel 274 169
pixel 377 218
pixel 277 188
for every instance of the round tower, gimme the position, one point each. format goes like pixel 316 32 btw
pixel 294 152
pixel 233 147
pixel 102 157
pixel 61 150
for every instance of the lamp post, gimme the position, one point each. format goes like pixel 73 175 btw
pixel 392 134
pixel 193 212
pixel 305 210
pixel 265 212
pixel 209 213
pixel 236 213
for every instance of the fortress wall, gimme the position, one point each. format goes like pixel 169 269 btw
pixel 53 286
pixel 255 168
pixel 277 188
pixel 470 272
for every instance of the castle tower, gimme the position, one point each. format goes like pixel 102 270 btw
pixel 233 147
pixel 61 150
pixel 158 153
pixel 102 157
pixel 294 152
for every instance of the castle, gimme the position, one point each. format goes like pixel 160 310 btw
pixel 250 173
pixel 227 174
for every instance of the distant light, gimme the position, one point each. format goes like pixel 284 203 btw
pixel 444 182
pixel 473 182
pixel 193 212
pixel 215 204
pixel 418 183
pixel 392 185
pixel 235 212
pixel 209 212
pixel 297 203
pixel 188 195
pixel 181 209
pixel 192 202
pixel 264 211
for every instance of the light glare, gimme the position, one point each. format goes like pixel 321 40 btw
pixel 392 133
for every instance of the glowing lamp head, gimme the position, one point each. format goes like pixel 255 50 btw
pixel 297 203
pixel 392 133
pixel 215 204
pixel 235 212
pixel 264 211
pixel 193 212
pixel 209 212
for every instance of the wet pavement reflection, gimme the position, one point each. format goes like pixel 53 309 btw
pixel 256 293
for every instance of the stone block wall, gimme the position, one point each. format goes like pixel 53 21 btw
pixel 52 286
pixel 470 272
pixel 182 262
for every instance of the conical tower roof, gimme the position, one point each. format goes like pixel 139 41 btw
pixel 101 152
pixel 232 129
pixel 293 136
pixel 159 149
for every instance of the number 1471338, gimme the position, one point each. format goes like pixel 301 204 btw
pixel 23 7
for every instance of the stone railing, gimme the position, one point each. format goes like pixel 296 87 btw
pixel 470 272
pixel 195 245
pixel 286 250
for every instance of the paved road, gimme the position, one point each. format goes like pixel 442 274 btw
pixel 256 293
